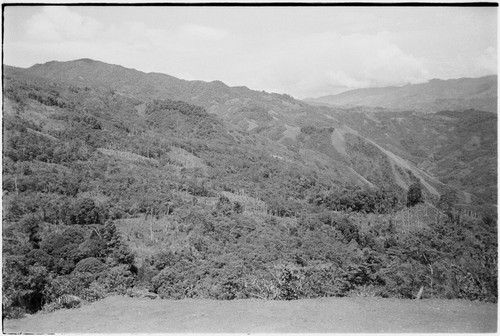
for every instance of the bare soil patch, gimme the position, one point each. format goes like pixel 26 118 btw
pixel 142 315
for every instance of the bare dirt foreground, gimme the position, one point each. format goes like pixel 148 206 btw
pixel 134 315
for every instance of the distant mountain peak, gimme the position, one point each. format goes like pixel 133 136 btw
pixel 218 83
pixel 87 60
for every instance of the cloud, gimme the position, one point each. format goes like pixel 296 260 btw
pixel 203 32
pixel 487 61
pixel 58 23
pixel 310 64
pixel 467 63
pixel 62 33
pixel 300 62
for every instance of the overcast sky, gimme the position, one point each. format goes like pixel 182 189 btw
pixel 302 51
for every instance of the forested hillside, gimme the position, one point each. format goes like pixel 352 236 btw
pixel 457 147
pixel 287 128
pixel 136 186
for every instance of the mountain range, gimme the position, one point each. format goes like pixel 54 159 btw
pixel 433 96
pixel 363 146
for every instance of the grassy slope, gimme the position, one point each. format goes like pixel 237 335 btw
pixel 330 315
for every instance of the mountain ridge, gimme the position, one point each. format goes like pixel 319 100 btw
pixel 436 95
pixel 276 119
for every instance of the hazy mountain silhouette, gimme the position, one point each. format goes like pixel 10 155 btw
pixel 433 96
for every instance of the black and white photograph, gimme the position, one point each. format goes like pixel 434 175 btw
pixel 249 167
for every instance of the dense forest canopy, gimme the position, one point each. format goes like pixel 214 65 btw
pixel 105 192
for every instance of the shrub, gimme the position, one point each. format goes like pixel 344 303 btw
pixel 74 235
pixel 83 285
pixel 238 207
pixel 226 283
pixel 92 248
pixel 90 265
pixel 289 281
pixel 404 279
pixel 117 252
pixel 415 194
pixel 117 279
pixel 31 226
pixel 146 274
pixel 325 281
pixel 64 266
pixel 39 257
pixel 224 206
pixel 24 286
pixel 164 259
pixel 85 212
pixel 173 283
pixel 73 284
pixel 94 292
pixel 54 243
pixel 10 312
pixel 167 283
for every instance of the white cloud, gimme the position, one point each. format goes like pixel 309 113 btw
pixel 203 32
pixel 367 51
pixel 61 33
pixel 487 61
pixel 309 64
pixel 467 63
pixel 58 23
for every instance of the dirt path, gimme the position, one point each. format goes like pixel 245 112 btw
pixel 133 315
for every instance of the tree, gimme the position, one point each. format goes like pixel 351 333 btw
pixel 414 195
pixel 85 212
pixel 448 200
pixel 224 206
pixel 31 226
pixel 117 252
pixel 90 265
